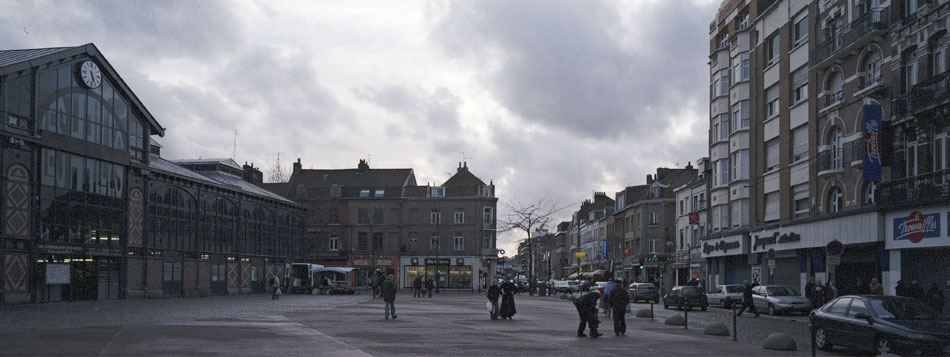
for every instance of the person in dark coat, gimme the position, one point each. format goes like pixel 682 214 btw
pixel 417 287
pixel 494 292
pixel 875 287
pixel 810 292
pixel 429 286
pixel 900 289
pixel 917 292
pixel 587 310
pixel 935 298
pixel 387 291
pixel 617 300
pixel 380 278
pixel 374 284
pixel 831 292
pixel 747 298
pixel 508 290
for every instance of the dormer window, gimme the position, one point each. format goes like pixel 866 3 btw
pixel 436 191
pixel 364 193
pixel 379 193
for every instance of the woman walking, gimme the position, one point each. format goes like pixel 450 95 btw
pixel 508 300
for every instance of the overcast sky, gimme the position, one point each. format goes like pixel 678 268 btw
pixel 549 99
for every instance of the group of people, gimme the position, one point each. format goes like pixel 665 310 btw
pixel 506 291
pixel 615 301
pixel 933 297
pixel 418 284
pixel 818 294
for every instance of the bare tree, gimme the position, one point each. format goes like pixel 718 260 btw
pixel 277 174
pixel 529 218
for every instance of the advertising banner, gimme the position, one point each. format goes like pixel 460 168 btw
pixel 872 143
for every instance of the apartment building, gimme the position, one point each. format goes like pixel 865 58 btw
pixel 690 227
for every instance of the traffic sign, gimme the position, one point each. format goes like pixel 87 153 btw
pixel 501 251
pixel 771 254
pixel 833 260
pixel 771 263
pixel 662 266
pixel 834 248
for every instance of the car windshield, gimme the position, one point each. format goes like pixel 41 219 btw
pixel 903 309
pixel 692 290
pixel 781 291
pixel 733 289
pixel 645 288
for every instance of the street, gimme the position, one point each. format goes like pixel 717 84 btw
pixel 450 323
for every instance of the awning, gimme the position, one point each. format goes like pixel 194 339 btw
pixel 343 270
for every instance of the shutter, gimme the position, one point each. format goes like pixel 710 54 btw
pixel 771 206
pixel 800 142
pixel 786 273
pixel 800 191
pixel 772 154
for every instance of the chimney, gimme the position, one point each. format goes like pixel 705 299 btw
pixel 463 166
pixel 252 174
pixel 689 166
pixel 649 179
pixel 297 168
pixel 363 166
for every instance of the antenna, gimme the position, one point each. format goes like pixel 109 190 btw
pixel 464 158
pixel 234 152
pixel 369 157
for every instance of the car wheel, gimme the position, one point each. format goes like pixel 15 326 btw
pixel 882 346
pixel 723 304
pixel 771 309
pixel 821 339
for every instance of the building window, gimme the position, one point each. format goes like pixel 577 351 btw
pixel 771 102
pixel 740 165
pixel 363 216
pixel 799 143
pixel 941 152
pixel 378 241
pixel 800 200
pixel 772 44
pixel 682 240
pixel 835 200
pixel 653 246
pixel 716 89
pixel 378 216
pixel 435 216
pixel 740 116
pixel 487 240
pixel 833 92
pixel 910 159
pixel 436 191
pixel 740 70
pixel 459 216
pixel 800 28
pixel 434 242
pixel 940 61
pixel 653 218
pixel 364 193
pixel 740 212
pixel 869 190
pixel 771 155
pixel 837 143
pixel 724 81
pixel 488 215
pixel 682 207
pixel 911 73
pixel 363 241
pixel 334 242
pixel 379 193
pixel 771 207
pixel 910 7
pixel 800 85
pixel 872 69
pixel 459 243
pixel 333 216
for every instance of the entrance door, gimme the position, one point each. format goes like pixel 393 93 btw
pixel 108 279
pixel 853 278
pixel 219 283
pixel 171 279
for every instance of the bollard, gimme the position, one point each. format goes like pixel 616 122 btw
pixel 735 331
pixel 812 326
pixel 686 317
pixel 651 311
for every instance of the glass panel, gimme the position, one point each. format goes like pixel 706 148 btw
pixel 76 169
pixel 62 168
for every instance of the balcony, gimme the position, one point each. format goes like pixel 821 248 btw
pixel 927 94
pixel 856 34
pixel 870 81
pixel 920 190
pixel 833 99
pixel 829 161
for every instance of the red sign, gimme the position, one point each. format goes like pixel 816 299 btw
pixel 626 252
pixel 915 227
pixel 662 267
pixel 834 248
pixel 694 218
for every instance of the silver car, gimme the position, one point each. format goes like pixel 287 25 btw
pixel 725 295
pixel 779 299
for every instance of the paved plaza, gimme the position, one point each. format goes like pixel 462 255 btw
pixel 451 323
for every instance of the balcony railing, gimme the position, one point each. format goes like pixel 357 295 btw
pixel 868 81
pixel 917 190
pixel 834 98
pixel 899 105
pixel 829 160
pixel 873 20
pixel 928 93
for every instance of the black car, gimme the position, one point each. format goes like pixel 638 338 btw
pixel 881 324
pixel 686 297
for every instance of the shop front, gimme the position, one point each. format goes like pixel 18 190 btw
pixel 455 273
pixel 918 244
pixel 73 273
pixel 726 259
pixel 368 265
pixel 845 249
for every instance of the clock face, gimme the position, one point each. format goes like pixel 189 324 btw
pixel 90 74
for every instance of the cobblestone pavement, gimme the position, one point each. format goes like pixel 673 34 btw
pixel 448 324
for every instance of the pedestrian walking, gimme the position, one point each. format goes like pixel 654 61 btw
pixel 935 298
pixel 810 291
pixel 831 292
pixel 608 287
pixel 917 292
pixel 819 293
pixel 618 298
pixel 508 290
pixel 747 298
pixel 275 285
pixel 900 289
pixel 494 292
pixel 387 291
pixel 875 287
pixel 429 286
pixel 417 287
pixel 373 284
pixel 587 311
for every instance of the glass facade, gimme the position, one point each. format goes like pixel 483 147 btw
pixel 81 200
pixel 98 115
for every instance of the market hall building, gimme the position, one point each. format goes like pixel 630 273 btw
pixel 92 212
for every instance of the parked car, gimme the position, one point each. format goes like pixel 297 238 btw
pixel 881 324
pixel 776 299
pixel 686 297
pixel 643 291
pixel 725 295
pixel 600 285
pixel 564 286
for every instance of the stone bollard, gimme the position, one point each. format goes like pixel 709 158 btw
pixel 644 313
pixel 717 329
pixel 780 342
pixel 675 320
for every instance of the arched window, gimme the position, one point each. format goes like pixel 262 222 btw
pixel 836 142
pixel 872 70
pixel 833 93
pixel 869 190
pixel 835 200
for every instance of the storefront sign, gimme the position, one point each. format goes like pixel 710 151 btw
pixel 626 252
pixel 776 238
pixel 441 261
pixel 57 273
pixel 579 255
pixel 872 143
pixel 58 249
pixel 721 245
pixel 917 226
pixel 694 218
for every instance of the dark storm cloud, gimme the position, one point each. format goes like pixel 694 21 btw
pixel 577 65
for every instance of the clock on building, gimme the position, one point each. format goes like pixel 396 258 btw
pixel 89 74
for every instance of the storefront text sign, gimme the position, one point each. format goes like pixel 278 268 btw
pixel 917 226
pixel 872 143
pixel 722 246
pixel 775 238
